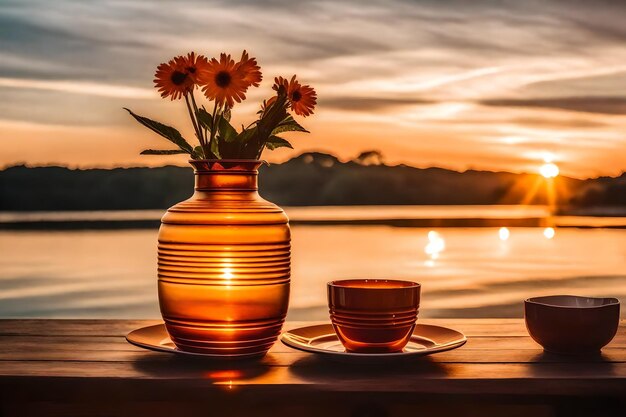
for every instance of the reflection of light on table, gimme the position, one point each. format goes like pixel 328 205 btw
pixel 434 247
pixel 549 232
pixel 504 233
pixel 224 377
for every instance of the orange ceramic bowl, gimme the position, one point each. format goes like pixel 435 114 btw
pixel 373 315
pixel 568 324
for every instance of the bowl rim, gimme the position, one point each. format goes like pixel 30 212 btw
pixel 402 284
pixel 545 301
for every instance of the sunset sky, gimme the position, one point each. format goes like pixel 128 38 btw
pixel 458 84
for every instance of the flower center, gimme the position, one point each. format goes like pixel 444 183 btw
pixel 222 79
pixel 178 77
pixel 296 96
pixel 191 70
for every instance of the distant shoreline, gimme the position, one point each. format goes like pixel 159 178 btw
pixel 311 179
pixel 154 224
pixel 392 216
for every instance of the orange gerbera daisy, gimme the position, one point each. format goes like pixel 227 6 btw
pixel 223 81
pixel 280 82
pixel 172 79
pixel 195 66
pixel 251 70
pixel 302 98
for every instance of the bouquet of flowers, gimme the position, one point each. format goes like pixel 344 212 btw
pixel 225 82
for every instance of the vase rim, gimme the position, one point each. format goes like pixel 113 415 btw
pixel 226 165
pixel 239 161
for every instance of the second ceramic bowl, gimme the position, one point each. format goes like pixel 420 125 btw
pixel 569 324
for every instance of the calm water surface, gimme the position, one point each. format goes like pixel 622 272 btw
pixel 473 272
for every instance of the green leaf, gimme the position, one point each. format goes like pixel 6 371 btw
pixel 215 148
pixel 289 124
pixel 249 142
pixel 205 119
pixel 198 152
pixel 167 132
pixel 246 134
pixel 162 152
pixel 274 115
pixel 275 142
pixel 226 114
pixel 227 131
pixel 270 119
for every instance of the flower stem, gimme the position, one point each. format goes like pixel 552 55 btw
pixel 260 151
pixel 193 120
pixel 195 112
pixel 201 131
pixel 215 126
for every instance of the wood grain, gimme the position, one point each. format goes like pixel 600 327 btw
pixel 49 361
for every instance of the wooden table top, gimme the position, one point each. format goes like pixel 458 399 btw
pixel 499 358
pixel 86 368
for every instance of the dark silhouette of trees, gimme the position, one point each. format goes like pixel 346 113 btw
pixel 309 179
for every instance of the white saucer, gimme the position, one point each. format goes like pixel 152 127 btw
pixel 156 338
pixel 322 340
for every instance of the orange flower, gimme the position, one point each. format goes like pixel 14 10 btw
pixel 223 81
pixel 195 66
pixel 172 79
pixel 280 82
pixel 250 69
pixel 180 75
pixel 302 98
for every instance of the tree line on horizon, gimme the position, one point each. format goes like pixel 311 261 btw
pixel 315 179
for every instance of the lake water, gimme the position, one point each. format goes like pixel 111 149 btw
pixel 464 272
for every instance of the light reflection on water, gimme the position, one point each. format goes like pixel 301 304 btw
pixel 472 272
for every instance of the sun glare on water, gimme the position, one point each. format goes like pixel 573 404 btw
pixel 436 245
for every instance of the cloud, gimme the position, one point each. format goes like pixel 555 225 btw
pixel 431 62
pixel 599 105
pixel 80 87
pixel 371 103
pixel 53 107
pixel 558 123
pixel 594 83
pixel 543 121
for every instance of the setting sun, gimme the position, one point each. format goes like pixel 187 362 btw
pixel 549 170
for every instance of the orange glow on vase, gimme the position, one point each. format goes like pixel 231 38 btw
pixel 224 264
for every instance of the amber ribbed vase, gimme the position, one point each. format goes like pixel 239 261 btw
pixel 224 264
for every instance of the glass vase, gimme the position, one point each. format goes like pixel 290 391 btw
pixel 224 264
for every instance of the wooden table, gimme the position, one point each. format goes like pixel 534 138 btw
pixel 85 367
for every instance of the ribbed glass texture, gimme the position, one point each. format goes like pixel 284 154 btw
pixel 224 264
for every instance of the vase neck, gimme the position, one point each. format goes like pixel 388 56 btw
pixel 225 181
pixel 226 175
